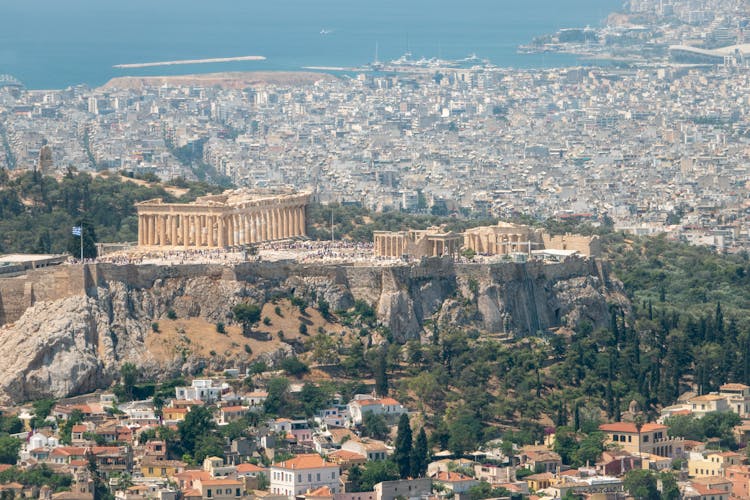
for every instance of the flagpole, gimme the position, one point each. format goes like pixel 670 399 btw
pixel 81 241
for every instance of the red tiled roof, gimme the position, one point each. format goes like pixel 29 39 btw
pixel 346 455
pixel 220 482
pixel 323 491
pixel 630 427
pixel 305 461
pixel 241 468
pixel 452 477
pixel 234 408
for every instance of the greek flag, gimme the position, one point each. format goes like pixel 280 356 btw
pixel 76 230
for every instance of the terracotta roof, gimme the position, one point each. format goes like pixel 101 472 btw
pixel 4 467
pixel 323 491
pixel 249 468
pixel 452 477
pixel 705 490
pixel 708 397
pixel 305 461
pixel 681 412
pixel 346 455
pixel 220 482
pixel 541 475
pixel 79 428
pixel 234 408
pixel 69 450
pixel 192 494
pixel 734 387
pixel 382 401
pixel 192 475
pixel 629 427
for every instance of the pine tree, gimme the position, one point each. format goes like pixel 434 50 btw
pixel 419 455
pixel 403 451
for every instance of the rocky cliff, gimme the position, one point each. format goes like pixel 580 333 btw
pixel 71 333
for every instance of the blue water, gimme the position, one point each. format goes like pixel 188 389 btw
pixel 57 43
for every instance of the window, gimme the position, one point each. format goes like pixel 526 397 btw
pixel 209 493
pixel 318 479
pixel 237 492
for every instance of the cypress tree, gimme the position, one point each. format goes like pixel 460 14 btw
pixel 419 455
pixel 381 376
pixel 403 451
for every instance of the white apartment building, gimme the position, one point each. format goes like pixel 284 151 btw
pixel 302 473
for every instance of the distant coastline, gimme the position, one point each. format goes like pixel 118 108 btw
pixel 234 80
pixel 189 61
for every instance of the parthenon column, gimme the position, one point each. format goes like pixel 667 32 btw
pixel 164 236
pixel 185 230
pixel 222 227
pixel 274 224
pixel 173 230
pixel 151 229
pixel 250 228
pixel 208 229
pixel 287 222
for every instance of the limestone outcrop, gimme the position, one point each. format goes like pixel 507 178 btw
pixel 72 327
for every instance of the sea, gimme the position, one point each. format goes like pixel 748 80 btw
pixel 52 44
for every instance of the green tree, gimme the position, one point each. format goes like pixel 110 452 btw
pixel 420 455
pixel 75 417
pixel 355 479
pixel 376 472
pixel 381 375
pixel 484 490
pixel 641 484
pixel 465 430
pixel 198 423
pixel 87 239
pixel 208 445
pixel 375 425
pixel 403 446
pixel 590 449
pixel 669 488
pixel 9 448
pixel 129 376
pixel 247 315
pixel 293 366
pixel 278 394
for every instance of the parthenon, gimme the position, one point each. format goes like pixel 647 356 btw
pixel 233 218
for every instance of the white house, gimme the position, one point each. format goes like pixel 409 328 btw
pixel 302 473
pixel 202 390
pixel 365 403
